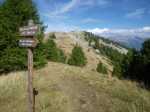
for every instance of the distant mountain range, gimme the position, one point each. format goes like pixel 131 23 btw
pixel 132 38
pixel 126 40
pixel 129 41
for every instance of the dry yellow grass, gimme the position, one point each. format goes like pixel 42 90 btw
pixel 64 88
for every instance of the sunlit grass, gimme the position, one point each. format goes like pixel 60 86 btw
pixel 72 89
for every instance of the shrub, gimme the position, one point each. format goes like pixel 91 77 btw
pixel 61 56
pixel 39 56
pixel 53 53
pixel 13 59
pixel 117 71
pixel 52 36
pixel 101 68
pixel 77 57
pixel 51 50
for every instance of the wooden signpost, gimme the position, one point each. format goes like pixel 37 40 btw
pixel 29 41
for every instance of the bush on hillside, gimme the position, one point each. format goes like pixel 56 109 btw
pixel 53 53
pixel 61 56
pixel 40 56
pixel 13 59
pixel 51 50
pixel 117 71
pixel 52 36
pixel 101 68
pixel 97 44
pixel 77 57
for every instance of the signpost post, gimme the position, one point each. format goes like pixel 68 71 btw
pixel 29 41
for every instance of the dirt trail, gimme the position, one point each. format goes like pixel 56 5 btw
pixel 79 95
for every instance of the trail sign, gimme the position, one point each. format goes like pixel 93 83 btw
pixel 28 31
pixel 26 28
pixel 28 42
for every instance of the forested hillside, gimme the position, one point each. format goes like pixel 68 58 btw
pixel 113 54
pixel 134 65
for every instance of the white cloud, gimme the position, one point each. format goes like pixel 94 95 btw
pixel 58 12
pixel 68 6
pixel 142 32
pixel 98 30
pixel 94 2
pixel 62 8
pixel 146 29
pixel 138 13
pixel 73 4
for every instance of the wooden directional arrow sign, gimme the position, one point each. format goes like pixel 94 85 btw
pixel 28 42
pixel 28 31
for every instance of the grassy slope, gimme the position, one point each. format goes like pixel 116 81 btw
pixel 66 41
pixel 63 88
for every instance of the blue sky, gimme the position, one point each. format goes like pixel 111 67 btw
pixel 95 15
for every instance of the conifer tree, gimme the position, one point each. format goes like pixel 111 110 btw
pixel 14 14
pixel 52 36
pixel 77 57
pixel 101 68
pixel 51 50
pixel 53 53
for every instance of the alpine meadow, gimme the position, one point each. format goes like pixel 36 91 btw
pixel 74 56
